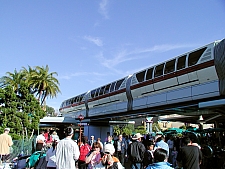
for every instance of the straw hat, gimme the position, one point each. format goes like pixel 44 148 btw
pixel 137 136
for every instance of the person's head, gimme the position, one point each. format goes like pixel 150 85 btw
pixel 54 133
pixel 92 137
pixel 186 140
pixel 137 136
pixel 42 132
pixel 109 149
pixel 98 139
pixel 69 131
pixel 54 144
pixel 84 139
pixel 109 138
pixel 150 145
pixel 6 130
pixel 96 146
pixel 160 155
pixel 120 137
pixel 157 136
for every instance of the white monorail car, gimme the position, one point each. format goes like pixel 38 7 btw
pixel 191 76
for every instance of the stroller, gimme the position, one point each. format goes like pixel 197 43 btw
pixel 37 160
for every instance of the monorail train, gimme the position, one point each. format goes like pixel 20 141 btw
pixel 191 76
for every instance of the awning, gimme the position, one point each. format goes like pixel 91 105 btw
pixel 58 120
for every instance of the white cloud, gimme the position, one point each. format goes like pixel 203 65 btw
pixel 124 56
pixel 67 77
pixel 97 41
pixel 103 8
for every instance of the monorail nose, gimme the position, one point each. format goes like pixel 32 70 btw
pixel 219 52
pixel 219 60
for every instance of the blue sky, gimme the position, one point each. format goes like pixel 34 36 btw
pixel 90 43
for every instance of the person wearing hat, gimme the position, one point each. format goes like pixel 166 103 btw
pixel 136 152
pixel 109 161
pixel 67 151
pixel 5 143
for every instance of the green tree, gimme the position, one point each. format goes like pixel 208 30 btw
pixel 39 80
pixel 50 110
pixel 20 111
pixel 128 129
pixel 156 127
pixel 14 79
pixel 45 83
pixel 141 130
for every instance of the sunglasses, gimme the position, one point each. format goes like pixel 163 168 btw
pixel 96 147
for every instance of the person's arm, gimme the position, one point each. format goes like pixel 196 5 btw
pixel 76 152
pixel 47 156
pixel 90 156
pixel 10 143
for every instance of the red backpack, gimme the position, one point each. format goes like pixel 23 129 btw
pixel 84 150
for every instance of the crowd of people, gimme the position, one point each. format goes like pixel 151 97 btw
pixel 115 152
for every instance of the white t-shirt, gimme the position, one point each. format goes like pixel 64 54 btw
pixel 40 137
pixel 67 152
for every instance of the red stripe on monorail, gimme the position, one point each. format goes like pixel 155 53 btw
pixel 174 74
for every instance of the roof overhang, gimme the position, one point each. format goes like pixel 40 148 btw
pixel 58 120
pixel 121 122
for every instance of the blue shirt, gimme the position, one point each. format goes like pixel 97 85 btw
pixel 160 165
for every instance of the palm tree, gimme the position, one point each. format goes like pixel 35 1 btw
pixel 13 79
pixel 28 75
pixel 40 81
pixel 45 83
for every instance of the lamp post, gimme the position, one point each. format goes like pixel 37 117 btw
pixel 80 117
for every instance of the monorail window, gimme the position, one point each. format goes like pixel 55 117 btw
pixel 170 67
pixel 80 98
pixel 194 56
pixel 118 84
pixel 101 91
pixel 107 89
pixel 140 76
pixel 72 100
pixel 112 86
pixel 93 93
pixel 181 62
pixel 97 91
pixel 76 98
pixel 159 70
pixel 149 74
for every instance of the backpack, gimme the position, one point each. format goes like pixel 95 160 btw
pixel 34 158
pixel 84 150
